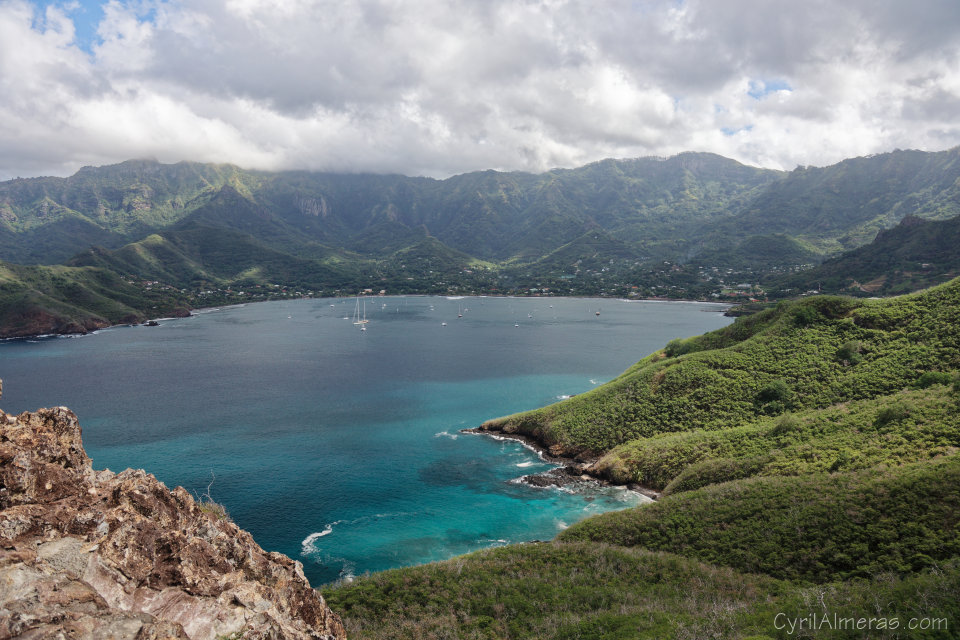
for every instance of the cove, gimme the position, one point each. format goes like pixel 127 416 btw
pixel 340 447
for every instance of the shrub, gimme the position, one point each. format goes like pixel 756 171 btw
pixel 715 471
pixel 805 316
pixel 678 347
pixel 931 378
pixel 774 398
pixel 849 353
pixel 892 413
pixel 786 424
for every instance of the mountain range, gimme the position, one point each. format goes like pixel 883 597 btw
pixel 602 229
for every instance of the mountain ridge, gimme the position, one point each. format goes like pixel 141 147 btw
pixel 636 227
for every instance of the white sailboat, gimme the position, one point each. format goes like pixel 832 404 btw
pixel 356 314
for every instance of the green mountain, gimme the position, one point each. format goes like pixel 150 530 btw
pixel 844 205
pixel 47 220
pixel 488 215
pixel 809 459
pixel 673 208
pixel 914 254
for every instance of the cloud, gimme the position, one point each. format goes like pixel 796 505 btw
pixel 437 88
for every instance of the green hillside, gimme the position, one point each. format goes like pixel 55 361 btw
pixel 914 254
pixel 813 528
pixel 592 590
pixel 38 300
pixel 787 358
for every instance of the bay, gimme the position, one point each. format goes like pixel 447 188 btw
pixel 340 447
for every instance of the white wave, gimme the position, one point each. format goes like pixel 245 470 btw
pixel 592 381
pixel 529 463
pixel 561 525
pixel 523 444
pixel 445 434
pixel 455 297
pixel 308 546
pixel 563 396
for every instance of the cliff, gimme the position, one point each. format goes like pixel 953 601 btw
pixel 97 554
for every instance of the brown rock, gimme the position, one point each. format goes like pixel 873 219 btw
pixel 94 554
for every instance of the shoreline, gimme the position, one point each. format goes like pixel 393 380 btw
pixel 71 331
pixel 575 469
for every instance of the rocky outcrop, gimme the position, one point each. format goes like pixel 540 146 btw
pixel 35 321
pixel 94 554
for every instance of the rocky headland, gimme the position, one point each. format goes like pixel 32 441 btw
pixel 97 554
pixel 576 467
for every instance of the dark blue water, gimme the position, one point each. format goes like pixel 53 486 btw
pixel 339 447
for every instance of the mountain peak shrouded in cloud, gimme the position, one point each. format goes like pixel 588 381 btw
pixel 438 88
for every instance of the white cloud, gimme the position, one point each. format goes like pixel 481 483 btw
pixel 439 87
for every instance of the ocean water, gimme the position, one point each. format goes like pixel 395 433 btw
pixel 340 447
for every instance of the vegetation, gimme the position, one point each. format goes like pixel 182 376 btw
pixel 568 590
pixel 777 360
pixel 812 528
pixel 916 253
pixel 903 427
pixel 38 299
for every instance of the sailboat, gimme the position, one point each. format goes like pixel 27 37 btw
pixel 356 314
pixel 459 311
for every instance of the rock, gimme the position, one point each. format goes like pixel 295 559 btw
pixel 90 554
pixel 559 477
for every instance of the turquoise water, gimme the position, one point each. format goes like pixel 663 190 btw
pixel 342 448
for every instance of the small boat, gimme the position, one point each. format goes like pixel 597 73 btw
pixel 356 314
pixel 516 325
pixel 443 324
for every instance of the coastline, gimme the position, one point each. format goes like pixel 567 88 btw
pixel 75 328
pixel 574 469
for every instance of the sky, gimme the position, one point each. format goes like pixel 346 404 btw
pixel 436 88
